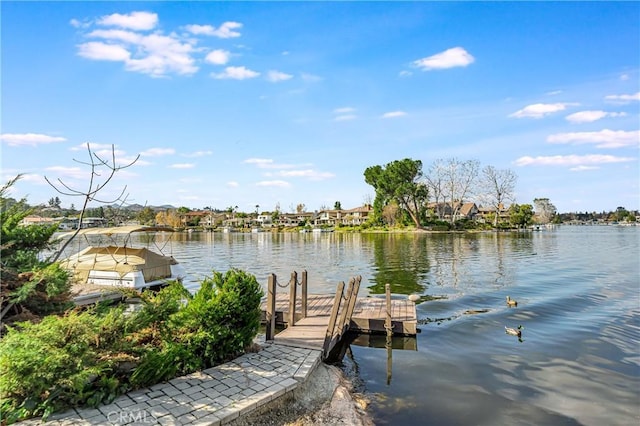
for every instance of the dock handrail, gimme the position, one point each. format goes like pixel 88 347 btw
pixel 328 337
pixel 270 313
pixel 337 327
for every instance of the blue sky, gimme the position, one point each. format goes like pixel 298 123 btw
pixel 245 103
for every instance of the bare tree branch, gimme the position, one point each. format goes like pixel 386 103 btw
pixel 95 164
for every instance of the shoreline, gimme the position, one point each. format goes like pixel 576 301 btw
pixel 327 397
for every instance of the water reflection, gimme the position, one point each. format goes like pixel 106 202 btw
pixel 577 293
pixel 399 260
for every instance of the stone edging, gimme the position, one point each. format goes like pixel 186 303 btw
pixel 215 396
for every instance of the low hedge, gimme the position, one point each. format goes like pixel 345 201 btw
pixel 88 357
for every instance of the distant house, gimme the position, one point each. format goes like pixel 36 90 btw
pixel 211 219
pixel 461 210
pixel 357 216
pixel 94 222
pixel 39 220
pixel 294 219
pixel 484 213
pixel 192 218
pixel 328 218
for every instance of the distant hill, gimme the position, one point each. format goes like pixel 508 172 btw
pixel 139 207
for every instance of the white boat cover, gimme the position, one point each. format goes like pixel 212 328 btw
pixel 120 259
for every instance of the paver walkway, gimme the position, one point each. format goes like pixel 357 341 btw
pixel 214 396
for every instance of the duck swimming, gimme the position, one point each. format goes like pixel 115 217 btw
pixel 514 331
pixel 511 302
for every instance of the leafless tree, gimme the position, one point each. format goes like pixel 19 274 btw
pixel 390 213
pixel 435 183
pixel 97 181
pixel 498 187
pixel 458 180
pixel 545 211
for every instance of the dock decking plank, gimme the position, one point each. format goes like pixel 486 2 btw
pixel 368 317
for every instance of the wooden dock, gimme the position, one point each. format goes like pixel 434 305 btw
pixel 368 316
pixel 319 321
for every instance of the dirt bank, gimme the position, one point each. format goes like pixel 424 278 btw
pixel 326 398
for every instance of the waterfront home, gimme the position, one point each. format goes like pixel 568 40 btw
pixel 351 217
pixel 458 210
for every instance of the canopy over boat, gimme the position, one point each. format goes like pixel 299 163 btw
pixel 119 230
pixel 117 263
pixel 121 260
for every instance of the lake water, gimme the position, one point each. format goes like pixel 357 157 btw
pixel 578 293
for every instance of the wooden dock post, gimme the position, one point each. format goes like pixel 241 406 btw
pixel 270 326
pixel 293 283
pixel 304 293
pixel 389 327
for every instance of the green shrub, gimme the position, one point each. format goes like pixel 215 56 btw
pixel 56 363
pixel 80 358
pixel 46 291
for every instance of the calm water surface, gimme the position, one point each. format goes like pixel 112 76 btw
pixel 578 293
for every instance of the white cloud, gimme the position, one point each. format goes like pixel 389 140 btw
pixel 267 163
pixel 100 51
pixel 276 76
pixel 405 73
pixel 226 30
pixel 118 36
pixel 623 99
pixel 198 154
pixel 161 55
pixel 155 152
pixel 540 110
pixel 200 29
pixel 235 73
pixel 450 58
pixel 583 168
pixel 93 146
pixel 68 172
pixel 76 23
pixel 590 116
pixel 394 114
pixel 218 57
pixel 133 21
pixel 182 166
pixel 276 183
pixel 153 54
pixel 603 139
pixel 570 160
pixel 624 77
pixel 32 139
pixel 233 184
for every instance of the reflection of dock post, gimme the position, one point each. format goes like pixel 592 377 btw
pixel 293 282
pixel 271 308
pixel 389 327
pixel 304 294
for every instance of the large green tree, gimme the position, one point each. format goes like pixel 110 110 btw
pixel 401 182
pixel 520 215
